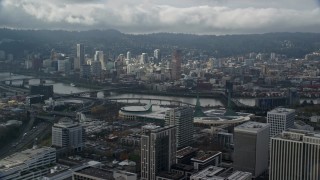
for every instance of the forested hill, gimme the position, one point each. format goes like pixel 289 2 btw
pixel 291 44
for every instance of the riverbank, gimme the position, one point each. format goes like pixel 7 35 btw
pixel 175 94
pixel 67 80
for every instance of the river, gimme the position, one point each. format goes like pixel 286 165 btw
pixel 63 88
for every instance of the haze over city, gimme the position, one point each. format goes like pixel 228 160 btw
pixel 149 16
pixel 159 89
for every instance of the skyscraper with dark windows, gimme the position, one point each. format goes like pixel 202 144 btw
pixel 80 54
pixel 182 118
pixel 158 150
pixel 176 64
pixel 251 144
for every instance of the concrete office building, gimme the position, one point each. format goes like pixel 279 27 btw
pixel 68 134
pixel 158 150
pixel 176 64
pixel 219 173
pixel 280 119
pixel 124 175
pixel 28 164
pixel 80 54
pixel 204 159
pixel 92 173
pixel 182 118
pixel 96 68
pixel 85 71
pixel 64 66
pixel 295 155
pixel 251 144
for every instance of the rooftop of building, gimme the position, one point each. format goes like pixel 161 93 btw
pixel 66 122
pixel 170 175
pixel 251 126
pixel 157 112
pixel 96 172
pixel 210 173
pixel 185 151
pixel 150 127
pixel 125 173
pixel 221 173
pixel 238 175
pixel 35 96
pixel 20 158
pixel 281 111
pixel 182 167
pixel 134 109
pixel 155 128
pixel 217 116
pixel 57 169
pixel 204 156
pixel 298 135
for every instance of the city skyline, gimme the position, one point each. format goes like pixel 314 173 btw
pixel 149 16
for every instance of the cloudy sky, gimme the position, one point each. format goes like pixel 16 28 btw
pixel 181 16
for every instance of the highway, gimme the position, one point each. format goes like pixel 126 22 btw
pixel 28 137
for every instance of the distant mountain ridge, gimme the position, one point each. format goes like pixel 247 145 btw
pixel 294 45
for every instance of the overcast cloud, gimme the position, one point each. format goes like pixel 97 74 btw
pixel 146 16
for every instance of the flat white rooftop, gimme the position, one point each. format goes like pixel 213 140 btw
pixel 66 123
pixel 156 113
pixel 283 111
pixel 251 126
pixel 21 157
pixel 210 173
pixel 217 117
pixel 150 127
pixel 239 175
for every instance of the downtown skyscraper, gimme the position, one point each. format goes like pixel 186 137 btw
pixel 251 144
pixel 182 118
pixel 80 54
pixel 176 64
pixel 295 155
pixel 158 150
pixel 280 119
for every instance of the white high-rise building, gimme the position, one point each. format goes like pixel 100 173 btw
pixel 144 58
pixel 251 145
pixel 158 150
pixel 80 54
pixel 182 118
pixel 64 66
pixel 99 56
pixel 27 165
pixel 68 134
pixel 295 155
pixel 129 55
pixel 157 55
pixel 280 119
